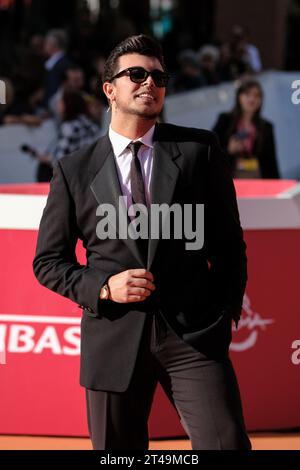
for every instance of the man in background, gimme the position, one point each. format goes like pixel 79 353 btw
pixel 56 44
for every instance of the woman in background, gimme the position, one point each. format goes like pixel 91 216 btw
pixel 247 138
pixel 76 130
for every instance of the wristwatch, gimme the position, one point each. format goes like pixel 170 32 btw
pixel 104 292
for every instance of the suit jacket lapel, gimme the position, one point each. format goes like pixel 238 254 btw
pixel 107 190
pixel 106 186
pixel 164 178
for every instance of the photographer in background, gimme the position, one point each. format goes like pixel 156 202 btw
pixel 246 137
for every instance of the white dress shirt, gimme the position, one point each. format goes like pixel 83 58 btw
pixel 123 157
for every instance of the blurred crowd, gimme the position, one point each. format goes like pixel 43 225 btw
pixel 54 78
pixel 213 64
pixel 42 70
pixel 40 75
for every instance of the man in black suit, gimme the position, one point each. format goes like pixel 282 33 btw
pixel 155 309
pixel 57 63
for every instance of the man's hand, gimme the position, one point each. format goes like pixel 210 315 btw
pixel 134 285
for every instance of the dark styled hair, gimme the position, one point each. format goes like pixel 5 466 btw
pixel 141 44
pixel 245 86
pixel 74 105
pixel 237 112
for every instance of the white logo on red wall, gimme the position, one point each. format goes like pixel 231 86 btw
pixel 31 334
pixel 251 325
pixel 21 334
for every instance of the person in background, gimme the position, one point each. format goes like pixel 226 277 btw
pixel 189 76
pixel 76 131
pixel 238 58
pixel 208 57
pixel 22 107
pixel 95 81
pixel 241 47
pixel 248 138
pixel 73 80
pixel 55 49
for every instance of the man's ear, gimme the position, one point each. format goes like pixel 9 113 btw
pixel 108 89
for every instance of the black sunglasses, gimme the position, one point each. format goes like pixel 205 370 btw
pixel 139 75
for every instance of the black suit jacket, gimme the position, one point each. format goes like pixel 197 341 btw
pixel 197 292
pixel 264 146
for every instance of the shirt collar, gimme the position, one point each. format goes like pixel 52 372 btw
pixel 52 61
pixel 120 143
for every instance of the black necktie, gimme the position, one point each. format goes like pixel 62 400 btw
pixel 138 190
pixel 136 176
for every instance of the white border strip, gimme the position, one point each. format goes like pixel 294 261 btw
pixel 290 193
pixel 21 211
pixel 24 212
pixel 279 213
pixel 40 319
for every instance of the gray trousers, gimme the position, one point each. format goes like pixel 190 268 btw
pixel 203 391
